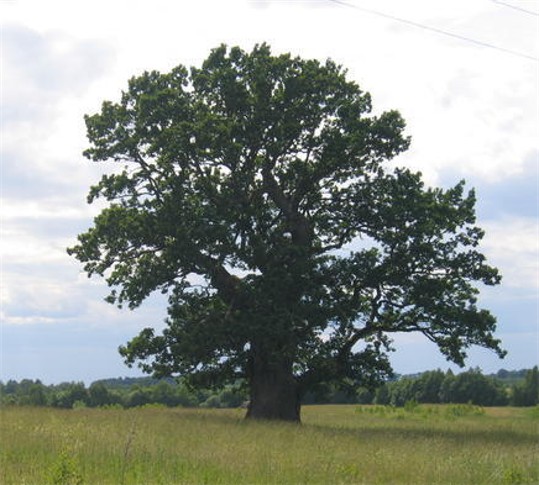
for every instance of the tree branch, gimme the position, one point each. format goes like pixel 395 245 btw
pixel 147 172
pixel 298 224
pixel 226 283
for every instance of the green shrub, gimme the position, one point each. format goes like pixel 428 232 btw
pixel 64 471
pixel 461 410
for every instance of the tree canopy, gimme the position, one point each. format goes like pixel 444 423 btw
pixel 255 192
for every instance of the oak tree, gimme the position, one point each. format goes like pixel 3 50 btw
pixel 255 192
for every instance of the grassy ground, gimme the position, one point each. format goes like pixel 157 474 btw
pixel 335 444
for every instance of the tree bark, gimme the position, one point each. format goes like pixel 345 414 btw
pixel 274 391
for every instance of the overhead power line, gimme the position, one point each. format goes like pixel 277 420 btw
pixel 514 7
pixel 434 29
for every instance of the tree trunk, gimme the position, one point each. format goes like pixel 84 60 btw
pixel 274 391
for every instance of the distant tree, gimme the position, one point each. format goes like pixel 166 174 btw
pixel 212 401
pixel 431 385
pixel 472 386
pixel 185 396
pixel 99 395
pixel 37 395
pixel 437 387
pixel 67 395
pixel 344 392
pixel 139 396
pixel 510 377
pixel 365 395
pixel 254 194
pixel 447 386
pixel 527 393
pixel 7 392
pixel 382 395
pixel 27 392
pixel 164 393
pixel 232 397
pixel 399 392
pixel 10 387
pixel 503 374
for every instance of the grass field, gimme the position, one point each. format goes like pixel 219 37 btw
pixel 335 444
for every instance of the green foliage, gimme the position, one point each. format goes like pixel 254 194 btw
pixel 65 471
pixel 439 387
pixel 513 475
pixel 382 395
pixel 98 395
pixel 459 410
pixel 472 386
pixel 527 392
pixel 428 387
pixel 413 408
pixel 252 173
pixel 122 393
pixel 26 393
pixel 68 395
pixel 511 377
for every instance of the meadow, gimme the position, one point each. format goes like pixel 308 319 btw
pixel 336 444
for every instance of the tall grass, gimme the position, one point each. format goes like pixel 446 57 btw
pixel 336 444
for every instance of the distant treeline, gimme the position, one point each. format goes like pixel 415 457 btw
pixel 514 388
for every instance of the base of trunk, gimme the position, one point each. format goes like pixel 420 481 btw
pixel 274 395
pixel 284 411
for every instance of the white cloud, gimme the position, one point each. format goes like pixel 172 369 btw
pixel 37 232
pixel 20 247
pixel 48 209
pixel 512 244
pixel 42 69
pixel 34 299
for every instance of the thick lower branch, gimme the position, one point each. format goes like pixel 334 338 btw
pixel 226 283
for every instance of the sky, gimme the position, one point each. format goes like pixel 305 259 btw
pixel 463 74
